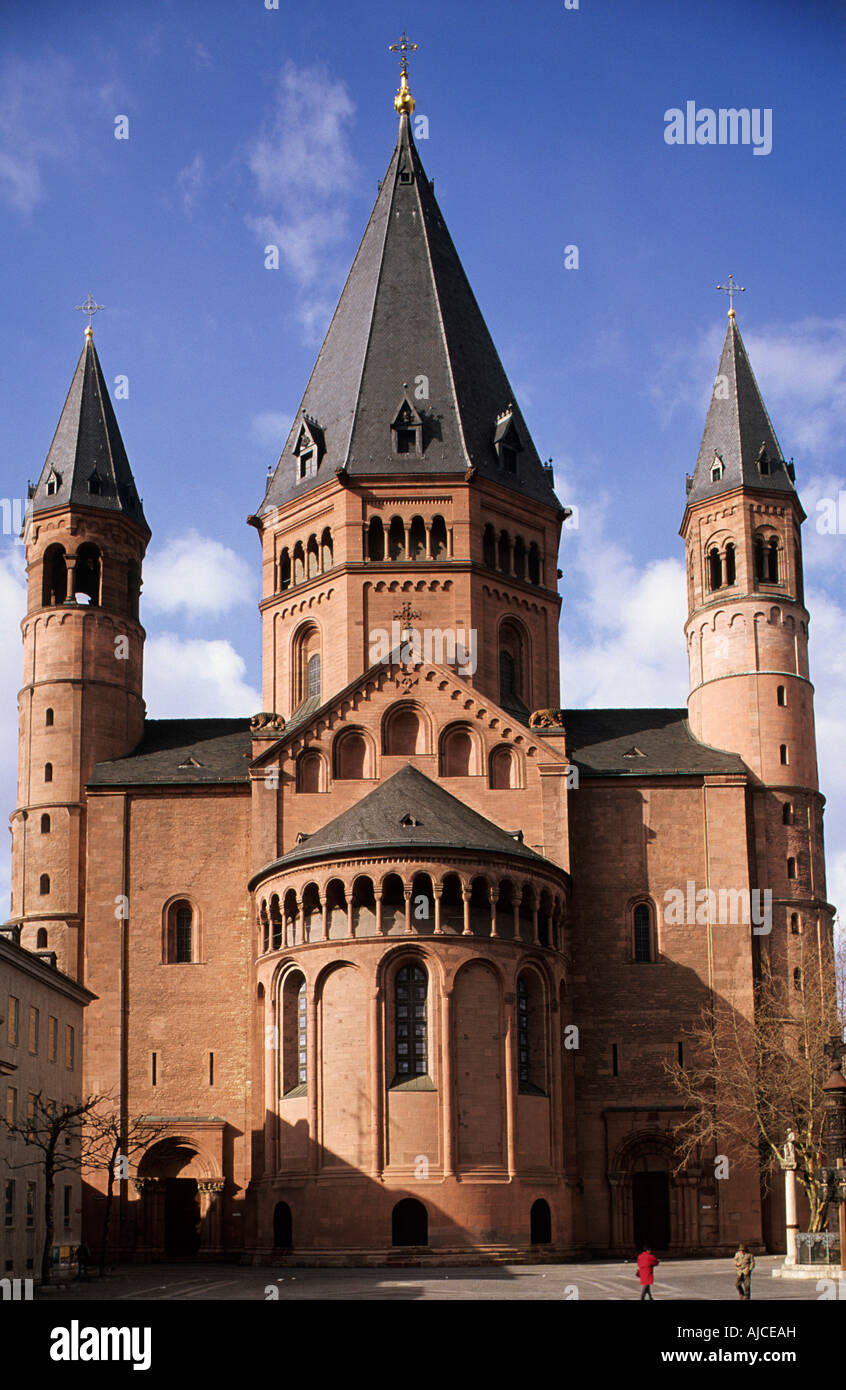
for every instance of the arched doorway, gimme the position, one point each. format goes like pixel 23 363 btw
pixel 180 1215
pixel 541 1223
pixel 651 1210
pixel 283 1227
pixel 410 1223
pixel 182 1218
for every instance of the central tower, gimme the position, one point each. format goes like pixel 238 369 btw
pixel 409 490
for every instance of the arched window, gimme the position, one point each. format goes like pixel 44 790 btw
pixel 45 824
pixel 531 1041
pixel 406 731
pixel 277 934
pixel 505 769
pixel 782 753
pixel 504 552
pixel 180 933
pixel 715 569
pixel 44 884
pixel 312 557
pixel 787 813
pixel 760 560
pixel 513 664
pixel 41 939
pixel 299 563
pixel 48 772
pixel 540 1222
pixel 294 1034
pixel 791 867
pixel 534 564
pixel 351 756
pixel 795 925
pixel 54 587
pixel 772 561
pixel 520 558
pixel 731 564
pixel 417 538
pixel 375 539
pixel 458 752
pixel 48 719
pixel 285 570
pixel 507 681
pixel 311 772
pixel 396 539
pixel 313 676
pixel 797 978
pixel 410 1023
pixel 489 547
pixel 438 540
pixel 87 572
pixel 326 550
pixel 642 933
pixel 781 696
pixel 305 671
pixel 409 1223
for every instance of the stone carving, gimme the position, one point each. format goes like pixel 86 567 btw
pixel 547 719
pixel 267 722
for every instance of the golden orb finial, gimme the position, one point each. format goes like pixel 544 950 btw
pixel 89 331
pixel 403 101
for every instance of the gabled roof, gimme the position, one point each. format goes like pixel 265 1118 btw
pixel 407 312
pixel 182 751
pixel 408 812
pixel 88 443
pixel 640 743
pixel 736 429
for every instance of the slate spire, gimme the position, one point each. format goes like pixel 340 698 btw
pixel 87 465
pixel 407 329
pixel 739 446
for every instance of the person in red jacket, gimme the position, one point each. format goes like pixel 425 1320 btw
pixel 646 1262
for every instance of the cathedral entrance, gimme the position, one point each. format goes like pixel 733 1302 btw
pixel 182 1218
pixel 651 1210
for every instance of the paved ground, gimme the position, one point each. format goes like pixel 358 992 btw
pixel 696 1280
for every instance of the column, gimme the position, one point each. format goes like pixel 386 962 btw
pixel 407 894
pixel 313 1161
pixel 350 914
pixel 516 907
pixel 465 898
pixel 789 1165
pixel 615 1182
pixel 299 918
pixel 556 1089
pixel 447 1085
pixel 407 528
pixel 209 1190
pixel 438 893
pixel 510 1084
pixel 428 540
pixel 535 932
pixel 376 1081
pixel 449 543
pixel 494 894
pixel 325 914
pixel 378 897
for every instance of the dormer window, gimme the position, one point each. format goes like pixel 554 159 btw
pixel 407 430
pixel 94 486
pixel 763 461
pixel 507 441
pixel 309 448
pixel 406 176
pixel 717 469
pixel 53 482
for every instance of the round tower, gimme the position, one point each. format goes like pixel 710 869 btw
pixel 81 701
pixel 747 634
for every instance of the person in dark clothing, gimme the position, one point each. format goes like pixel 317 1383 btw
pixel 646 1262
pixel 744 1263
pixel 82 1257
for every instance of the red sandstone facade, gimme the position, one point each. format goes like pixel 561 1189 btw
pixel 366 1032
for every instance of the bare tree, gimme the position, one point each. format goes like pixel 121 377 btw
pixel 56 1140
pixel 112 1143
pixel 749 1081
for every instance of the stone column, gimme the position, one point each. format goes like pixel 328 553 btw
pixel 511 1083
pixel 465 898
pixel 325 915
pixel 209 1190
pixel 313 1162
pixel 438 893
pixel 556 1086
pixel 376 1082
pixel 408 540
pixel 615 1181
pixel 407 895
pixel 789 1166
pixel 494 894
pixel 428 540
pixel 447 1086
pixel 300 917
pixel 378 897
pixel 350 915
pixel 516 908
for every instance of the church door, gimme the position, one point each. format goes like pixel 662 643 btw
pixel 651 1207
pixel 182 1217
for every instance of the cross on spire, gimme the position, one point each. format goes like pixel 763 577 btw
pixel 403 46
pixel 731 289
pixel 90 307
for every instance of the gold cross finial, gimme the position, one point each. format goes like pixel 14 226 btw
pixel 403 101
pixel 731 289
pixel 90 308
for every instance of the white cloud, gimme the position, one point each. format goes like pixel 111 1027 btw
pixel 197 575
pixel 190 677
pixel 35 127
pixel 305 174
pixel 270 429
pixel 190 182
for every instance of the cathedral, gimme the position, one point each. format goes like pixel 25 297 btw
pixel 388 965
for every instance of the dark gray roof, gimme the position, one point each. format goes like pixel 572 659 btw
pixel 642 742
pixel 408 812
pixel 736 428
pixel 87 442
pixel 182 751
pixel 407 310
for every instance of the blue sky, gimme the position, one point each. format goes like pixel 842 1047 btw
pixel 546 129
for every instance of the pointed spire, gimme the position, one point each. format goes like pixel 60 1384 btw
pixel 739 446
pixel 87 464
pixel 407 327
